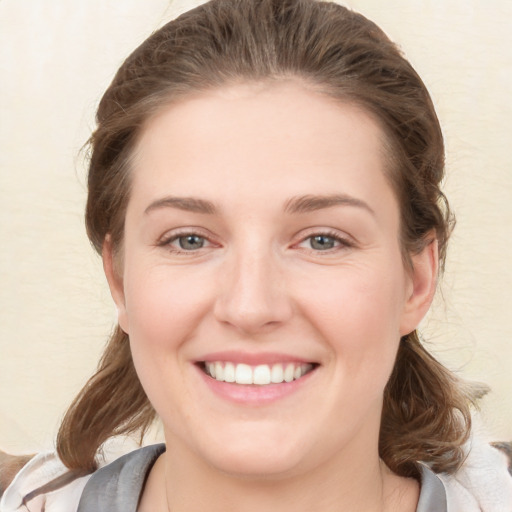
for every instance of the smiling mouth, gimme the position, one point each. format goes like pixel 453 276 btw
pixel 260 375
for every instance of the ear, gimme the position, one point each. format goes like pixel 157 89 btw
pixel 421 288
pixel 115 281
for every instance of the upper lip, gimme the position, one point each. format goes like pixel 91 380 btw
pixel 253 358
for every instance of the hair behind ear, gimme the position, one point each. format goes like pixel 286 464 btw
pixel 111 403
pixel 426 414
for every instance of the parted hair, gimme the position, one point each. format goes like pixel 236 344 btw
pixel 426 412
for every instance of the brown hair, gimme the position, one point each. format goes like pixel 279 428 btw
pixel 426 414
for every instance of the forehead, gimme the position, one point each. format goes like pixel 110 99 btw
pixel 250 141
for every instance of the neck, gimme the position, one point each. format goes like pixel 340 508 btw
pixel 179 482
pixel 314 491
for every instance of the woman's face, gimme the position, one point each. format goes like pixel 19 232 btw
pixel 262 245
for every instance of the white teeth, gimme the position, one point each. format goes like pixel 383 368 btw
pixel 210 368
pixel 229 372
pixel 288 372
pixel 219 371
pixel 277 375
pixel 260 375
pixel 243 374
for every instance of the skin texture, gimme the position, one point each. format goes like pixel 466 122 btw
pixel 259 285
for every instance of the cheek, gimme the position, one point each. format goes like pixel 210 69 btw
pixel 162 308
pixel 358 314
pixel 355 299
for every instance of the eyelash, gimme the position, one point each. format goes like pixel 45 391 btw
pixel 167 241
pixel 342 242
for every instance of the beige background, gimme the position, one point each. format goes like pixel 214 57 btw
pixel 56 58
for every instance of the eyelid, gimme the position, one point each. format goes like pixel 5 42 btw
pixel 344 241
pixel 170 236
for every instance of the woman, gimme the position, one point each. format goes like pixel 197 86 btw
pixel 264 192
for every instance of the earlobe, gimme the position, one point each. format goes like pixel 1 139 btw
pixel 115 282
pixel 423 282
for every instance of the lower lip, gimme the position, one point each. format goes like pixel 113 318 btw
pixel 254 394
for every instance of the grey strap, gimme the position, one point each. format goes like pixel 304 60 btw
pixel 118 486
pixel 433 493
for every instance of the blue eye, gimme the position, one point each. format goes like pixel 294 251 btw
pixel 184 242
pixel 190 242
pixel 322 242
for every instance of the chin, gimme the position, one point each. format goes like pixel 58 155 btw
pixel 263 456
pixel 260 466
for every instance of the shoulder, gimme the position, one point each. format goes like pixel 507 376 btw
pixel 44 483
pixel 482 484
pixel 10 465
pixel 484 481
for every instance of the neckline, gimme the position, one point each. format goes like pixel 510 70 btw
pixel 118 486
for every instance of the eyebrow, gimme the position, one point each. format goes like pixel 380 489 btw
pixel 189 204
pixel 299 204
pixel 311 203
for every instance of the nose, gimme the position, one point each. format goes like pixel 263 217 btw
pixel 252 295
